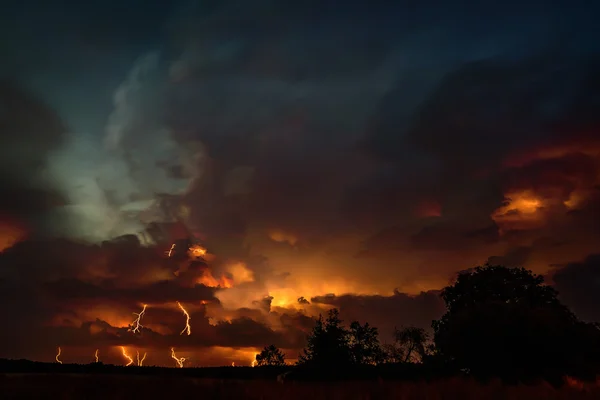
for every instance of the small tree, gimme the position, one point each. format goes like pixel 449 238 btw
pixel 364 344
pixel 270 356
pixel 392 353
pixel 412 342
pixel 327 344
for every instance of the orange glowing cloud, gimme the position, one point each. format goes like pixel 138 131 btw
pixel 587 147
pixel 240 273
pixel 10 233
pixel 207 279
pixel 520 211
pixel 197 251
pixel 548 180
pixel 280 236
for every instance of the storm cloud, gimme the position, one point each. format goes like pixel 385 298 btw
pixel 322 155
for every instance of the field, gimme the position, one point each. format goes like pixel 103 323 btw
pixel 104 386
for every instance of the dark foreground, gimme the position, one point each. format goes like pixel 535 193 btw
pixel 86 386
pixel 22 379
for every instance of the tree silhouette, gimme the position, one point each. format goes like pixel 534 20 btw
pixel 506 322
pixel 364 344
pixel 270 356
pixel 412 342
pixel 392 353
pixel 327 345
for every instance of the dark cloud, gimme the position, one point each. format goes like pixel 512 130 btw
pixel 488 133
pixel 515 257
pixel 156 293
pixel 29 131
pixel 387 312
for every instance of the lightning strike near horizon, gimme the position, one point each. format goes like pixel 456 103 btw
pixel 127 356
pixel 179 361
pixel 187 328
pixel 136 324
pixel 96 356
pixel 140 362
pixel 58 355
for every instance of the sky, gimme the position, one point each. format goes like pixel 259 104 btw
pixel 356 156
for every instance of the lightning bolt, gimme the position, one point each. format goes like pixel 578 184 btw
pixel 179 361
pixel 136 325
pixel 96 355
pixel 171 250
pixel 58 355
pixel 140 362
pixel 233 364
pixel 126 356
pixel 187 328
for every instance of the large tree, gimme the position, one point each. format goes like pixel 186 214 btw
pixel 506 322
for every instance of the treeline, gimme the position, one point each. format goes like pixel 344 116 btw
pixel 500 322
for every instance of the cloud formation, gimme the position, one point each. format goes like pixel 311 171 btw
pixel 343 165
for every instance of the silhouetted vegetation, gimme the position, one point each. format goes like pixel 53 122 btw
pixel 328 344
pixel 270 356
pixel 411 344
pixel 500 323
pixel 505 322
pixel 363 341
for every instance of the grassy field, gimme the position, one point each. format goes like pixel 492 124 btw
pixel 79 386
